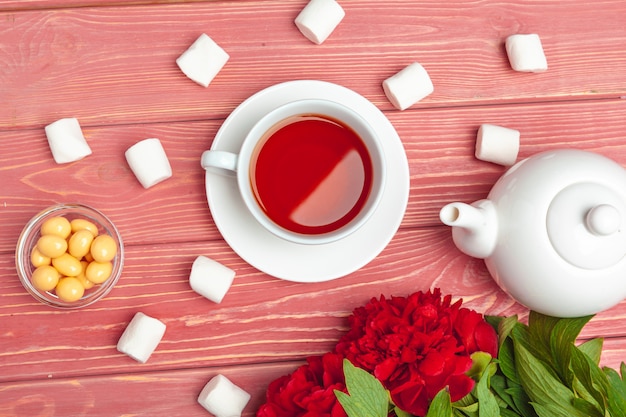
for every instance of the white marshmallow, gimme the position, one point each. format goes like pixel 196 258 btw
pixel 66 141
pixel 141 337
pixel 526 53
pixel 202 60
pixel 408 86
pixel 222 398
pixel 210 278
pixel 319 18
pixel 497 144
pixel 148 161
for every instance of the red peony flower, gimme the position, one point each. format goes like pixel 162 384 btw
pixel 309 391
pixel 417 345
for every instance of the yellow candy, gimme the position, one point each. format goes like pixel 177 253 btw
pixel 83 278
pixel 82 224
pixel 80 243
pixel 83 269
pixel 71 257
pixel 45 278
pixel 67 265
pixel 51 245
pixel 58 226
pixel 69 289
pixel 87 285
pixel 98 272
pixel 103 248
pixel 37 259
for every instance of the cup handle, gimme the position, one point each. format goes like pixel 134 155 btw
pixel 219 159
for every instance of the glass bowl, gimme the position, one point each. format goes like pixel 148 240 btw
pixel 28 240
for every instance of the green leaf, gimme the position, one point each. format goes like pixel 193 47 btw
pixel 567 329
pixel 480 362
pixel 616 403
pixel 593 349
pixel 499 386
pixel 543 388
pixel 401 413
pixel 591 377
pixel 505 412
pixel 521 400
pixel 466 401
pixel 535 342
pixel 506 361
pixel 587 407
pixel 459 413
pixel 506 326
pixel 533 338
pixel 368 397
pixel 551 410
pixel 506 402
pixel 540 329
pixel 467 409
pixel 580 390
pixel 562 337
pixel 466 406
pixel 440 406
pixel 619 383
pixel 541 324
pixel 487 404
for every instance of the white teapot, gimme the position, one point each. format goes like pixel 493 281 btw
pixel 552 232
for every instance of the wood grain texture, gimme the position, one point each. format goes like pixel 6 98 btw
pixel 172 393
pixel 156 393
pixel 112 65
pixel 21 5
pixel 439 144
pixel 261 319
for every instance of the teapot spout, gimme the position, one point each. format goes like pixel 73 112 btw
pixel 474 227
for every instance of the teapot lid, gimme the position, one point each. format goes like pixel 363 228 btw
pixel 586 224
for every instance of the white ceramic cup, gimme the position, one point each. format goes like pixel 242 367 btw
pixel 259 135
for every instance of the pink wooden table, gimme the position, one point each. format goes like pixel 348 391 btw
pixel 111 64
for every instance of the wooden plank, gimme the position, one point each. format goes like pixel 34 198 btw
pixel 176 210
pixel 18 5
pixel 439 144
pixel 112 65
pixel 153 394
pixel 261 319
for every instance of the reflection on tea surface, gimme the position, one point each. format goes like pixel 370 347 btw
pixel 312 175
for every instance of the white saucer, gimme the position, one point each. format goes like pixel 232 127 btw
pixel 278 257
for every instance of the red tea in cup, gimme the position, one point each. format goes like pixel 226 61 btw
pixel 311 174
pixel 310 171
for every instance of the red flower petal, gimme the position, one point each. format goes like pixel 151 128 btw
pixel 308 391
pixel 486 338
pixel 433 364
pixel 415 345
pixel 385 369
pixel 459 386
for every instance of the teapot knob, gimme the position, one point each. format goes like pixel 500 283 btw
pixel 585 224
pixel 603 220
